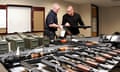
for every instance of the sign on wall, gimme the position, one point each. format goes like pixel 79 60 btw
pixel 19 19
pixel 2 18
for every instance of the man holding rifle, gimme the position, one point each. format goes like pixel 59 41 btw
pixel 71 20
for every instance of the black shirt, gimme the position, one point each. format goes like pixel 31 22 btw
pixel 73 21
pixel 50 19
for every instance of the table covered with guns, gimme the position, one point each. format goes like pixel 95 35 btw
pixel 74 55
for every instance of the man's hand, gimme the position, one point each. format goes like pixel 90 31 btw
pixel 67 24
pixel 60 26
pixel 54 25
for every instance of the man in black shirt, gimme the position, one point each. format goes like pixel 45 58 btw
pixel 51 23
pixel 71 20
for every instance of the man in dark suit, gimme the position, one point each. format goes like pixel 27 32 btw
pixel 71 20
pixel 51 23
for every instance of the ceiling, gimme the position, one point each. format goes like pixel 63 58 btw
pixel 105 3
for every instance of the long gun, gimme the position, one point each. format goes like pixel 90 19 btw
pixel 106 51
pixel 30 67
pixel 91 63
pixel 117 51
pixel 81 67
pixel 97 58
pixel 106 54
pixel 52 65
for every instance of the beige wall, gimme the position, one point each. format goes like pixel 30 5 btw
pixel 85 12
pixel 84 9
pixel 109 20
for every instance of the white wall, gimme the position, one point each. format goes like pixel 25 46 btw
pixel 84 9
pixel 109 20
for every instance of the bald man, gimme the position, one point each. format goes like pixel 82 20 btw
pixel 71 20
pixel 51 23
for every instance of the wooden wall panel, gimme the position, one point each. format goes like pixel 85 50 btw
pixel 2 30
pixel 38 21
